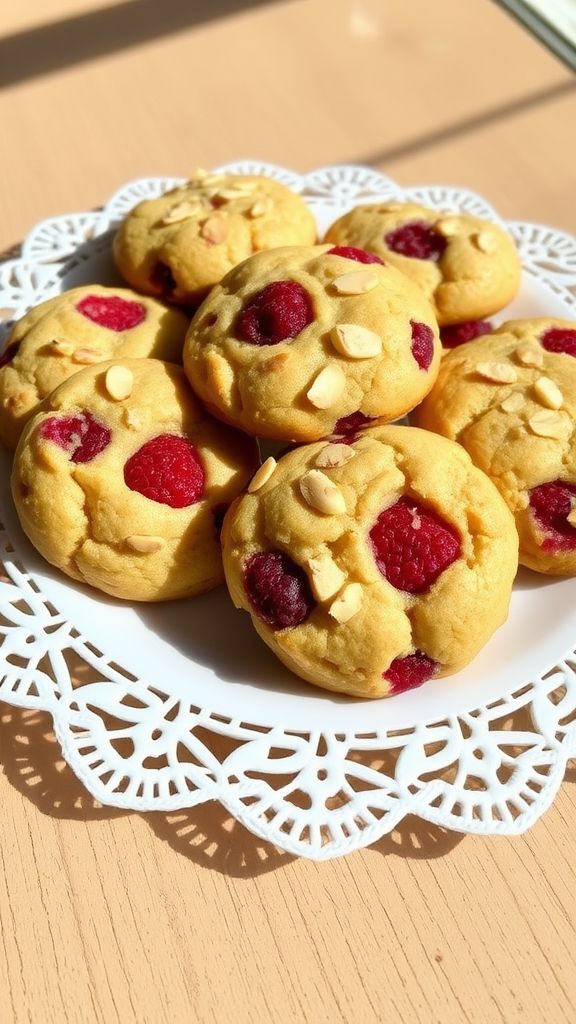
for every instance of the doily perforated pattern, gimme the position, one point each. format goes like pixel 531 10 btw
pixel 317 794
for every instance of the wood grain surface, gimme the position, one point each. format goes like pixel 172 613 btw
pixel 107 916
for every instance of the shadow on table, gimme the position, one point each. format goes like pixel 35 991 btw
pixel 82 37
pixel 207 835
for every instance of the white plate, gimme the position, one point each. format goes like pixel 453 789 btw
pixel 202 710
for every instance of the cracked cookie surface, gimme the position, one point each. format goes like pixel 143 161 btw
pixel 77 328
pixel 120 478
pixel 299 338
pixel 510 399
pixel 179 245
pixel 469 268
pixel 370 567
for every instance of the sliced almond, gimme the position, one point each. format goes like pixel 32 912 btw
pixel 239 191
pixel 326 578
pixel 447 227
pixel 327 387
pixel 182 211
pixel 548 424
pixel 513 403
pixel 145 545
pixel 213 179
pixel 261 206
pixel 355 341
pixel 348 603
pixel 356 282
pixel 485 241
pixel 198 175
pixel 215 229
pixel 499 373
pixel 334 455
pixel 119 382
pixel 320 493
pixel 61 347
pixel 548 393
pixel 529 355
pixel 262 475
pixel 275 363
pixel 87 356
pixel 132 419
pixel 572 517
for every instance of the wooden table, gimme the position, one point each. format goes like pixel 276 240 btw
pixel 186 917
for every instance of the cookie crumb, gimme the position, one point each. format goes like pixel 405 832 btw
pixel 327 387
pixel 321 493
pixel 119 382
pixel 357 282
pixel 347 604
pixel 144 545
pixel 262 475
pixel 572 517
pixel 499 373
pixel 334 455
pixel 355 341
pixel 548 393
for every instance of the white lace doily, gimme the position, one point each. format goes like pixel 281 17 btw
pixel 154 711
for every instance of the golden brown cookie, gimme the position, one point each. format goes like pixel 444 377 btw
pixel 370 567
pixel 510 399
pixel 77 328
pixel 298 343
pixel 121 479
pixel 180 245
pixel 468 268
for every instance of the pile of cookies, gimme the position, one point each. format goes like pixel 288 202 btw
pixel 370 556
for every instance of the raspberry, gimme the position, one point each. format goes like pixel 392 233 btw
pixel 410 672
pixel 551 505
pixel 350 424
pixel 163 279
pixel 82 436
pixel 112 312
pixel 422 344
pixel 413 545
pixel 8 354
pixel 417 240
pixel 278 589
pixel 280 311
pixel 168 470
pixel 458 334
pixel 560 339
pixel 350 253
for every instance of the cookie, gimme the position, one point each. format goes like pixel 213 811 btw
pixel 369 568
pixel 121 479
pixel 510 400
pixel 180 245
pixel 468 268
pixel 298 343
pixel 79 327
